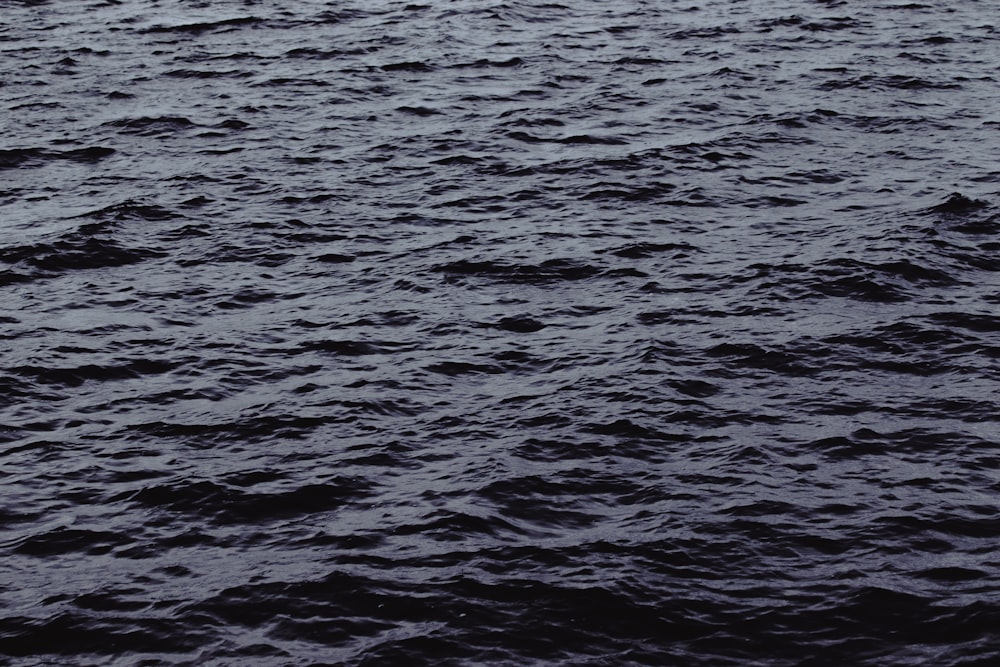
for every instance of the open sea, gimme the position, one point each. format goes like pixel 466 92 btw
pixel 480 333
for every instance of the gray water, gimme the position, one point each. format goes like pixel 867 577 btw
pixel 481 333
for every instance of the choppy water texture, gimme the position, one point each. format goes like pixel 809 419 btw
pixel 500 333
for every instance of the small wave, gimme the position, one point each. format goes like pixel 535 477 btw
pixel 76 376
pixel 152 125
pixel 251 429
pixel 584 139
pixel 485 63
pixel 208 74
pixel 553 270
pixel 889 82
pixel 198 28
pixel 355 348
pixel 228 504
pixel 958 204
pixel 407 66
pixel 34 157
pixel 884 282
pixel 75 251
pixel 519 324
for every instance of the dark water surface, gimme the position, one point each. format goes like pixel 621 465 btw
pixel 500 333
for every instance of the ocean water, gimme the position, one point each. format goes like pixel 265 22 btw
pixel 500 333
